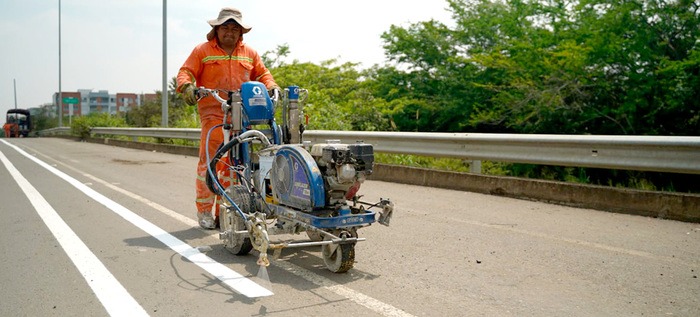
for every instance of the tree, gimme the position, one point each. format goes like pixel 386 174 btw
pixel 339 96
pixel 42 120
pixel 622 67
pixel 435 89
pixel 645 56
pixel 149 114
pixel 555 66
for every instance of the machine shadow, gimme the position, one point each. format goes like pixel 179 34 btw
pixel 300 262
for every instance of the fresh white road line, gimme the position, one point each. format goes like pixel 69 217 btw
pixel 113 296
pixel 234 280
pixel 371 303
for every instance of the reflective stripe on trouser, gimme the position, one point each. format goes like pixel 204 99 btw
pixel 205 199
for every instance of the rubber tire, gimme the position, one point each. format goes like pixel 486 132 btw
pixel 339 260
pixel 238 245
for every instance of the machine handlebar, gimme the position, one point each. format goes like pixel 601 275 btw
pixel 203 92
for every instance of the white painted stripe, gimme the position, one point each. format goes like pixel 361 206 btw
pixel 371 303
pixel 234 280
pixel 113 296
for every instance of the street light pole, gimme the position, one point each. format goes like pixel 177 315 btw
pixel 164 94
pixel 14 82
pixel 59 102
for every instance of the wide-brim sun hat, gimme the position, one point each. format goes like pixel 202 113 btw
pixel 224 15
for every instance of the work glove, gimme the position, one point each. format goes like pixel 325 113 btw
pixel 275 90
pixel 189 94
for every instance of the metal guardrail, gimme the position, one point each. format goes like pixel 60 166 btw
pixel 54 131
pixel 676 154
pixel 165 133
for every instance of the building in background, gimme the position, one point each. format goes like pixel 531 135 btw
pixel 96 102
pixel 144 98
pixel 126 102
pixel 129 101
pixel 86 101
pixel 48 110
pixel 71 101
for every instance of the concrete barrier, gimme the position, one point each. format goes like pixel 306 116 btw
pixel 667 205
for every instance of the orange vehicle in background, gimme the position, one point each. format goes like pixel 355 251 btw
pixel 18 123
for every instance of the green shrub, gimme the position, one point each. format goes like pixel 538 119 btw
pixel 81 125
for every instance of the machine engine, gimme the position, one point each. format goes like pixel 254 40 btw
pixel 325 177
pixel 344 167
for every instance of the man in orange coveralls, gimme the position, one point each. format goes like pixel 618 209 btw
pixel 7 127
pixel 11 128
pixel 224 62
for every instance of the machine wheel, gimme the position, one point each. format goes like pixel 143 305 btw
pixel 339 258
pixel 238 244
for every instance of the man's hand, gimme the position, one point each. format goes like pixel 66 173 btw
pixel 275 91
pixel 188 94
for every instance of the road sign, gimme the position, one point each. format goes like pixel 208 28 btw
pixel 70 100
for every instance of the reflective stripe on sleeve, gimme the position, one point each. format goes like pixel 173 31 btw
pixel 227 58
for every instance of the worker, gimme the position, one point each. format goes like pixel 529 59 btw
pixel 10 127
pixel 7 127
pixel 224 62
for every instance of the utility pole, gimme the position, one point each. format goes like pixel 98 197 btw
pixel 164 94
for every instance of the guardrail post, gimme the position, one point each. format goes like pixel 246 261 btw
pixel 475 167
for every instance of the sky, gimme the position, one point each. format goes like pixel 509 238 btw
pixel 117 45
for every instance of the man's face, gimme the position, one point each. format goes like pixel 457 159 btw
pixel 228 33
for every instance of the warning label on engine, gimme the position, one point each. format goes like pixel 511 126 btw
pixel 300 188
pixel 257 101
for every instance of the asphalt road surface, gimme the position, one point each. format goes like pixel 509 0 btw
pixel 91 230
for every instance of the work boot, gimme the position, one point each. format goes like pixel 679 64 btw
pixel 206 221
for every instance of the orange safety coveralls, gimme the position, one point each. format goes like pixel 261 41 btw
pixel 211 67
pixel 11 129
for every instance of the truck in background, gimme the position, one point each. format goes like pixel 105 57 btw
pixel 18 123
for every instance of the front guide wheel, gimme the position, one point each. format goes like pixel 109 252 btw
pixel 339 258
pixel 231 221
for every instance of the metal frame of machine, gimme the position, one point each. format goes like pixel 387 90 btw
pixel 285 185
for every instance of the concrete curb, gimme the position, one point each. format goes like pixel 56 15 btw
pixel 674 206
pixel 165 148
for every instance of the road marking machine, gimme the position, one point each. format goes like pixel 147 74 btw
pixel 283 185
